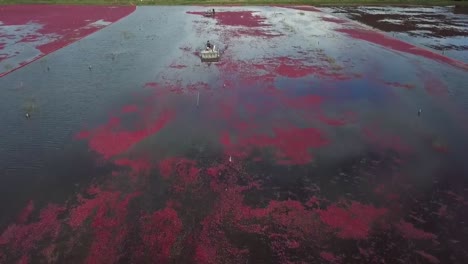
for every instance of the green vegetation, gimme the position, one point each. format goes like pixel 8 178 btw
pixel 30 106
pixel 240 2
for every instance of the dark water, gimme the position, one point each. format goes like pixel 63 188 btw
pixel 323 160
pixel 442 29
pixel 70 96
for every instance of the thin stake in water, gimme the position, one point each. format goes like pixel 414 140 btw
pixel 198 98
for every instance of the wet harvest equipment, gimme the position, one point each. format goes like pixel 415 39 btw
pixel 210 54
pixel 209 13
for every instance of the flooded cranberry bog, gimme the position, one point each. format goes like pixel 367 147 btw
pixel 314 139
pixel 442 29
pixel 29 32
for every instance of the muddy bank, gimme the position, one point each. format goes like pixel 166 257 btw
pixel 443 29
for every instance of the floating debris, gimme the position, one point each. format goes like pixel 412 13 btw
pixel 27 115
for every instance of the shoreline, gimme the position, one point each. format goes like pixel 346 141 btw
pixel 326 3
